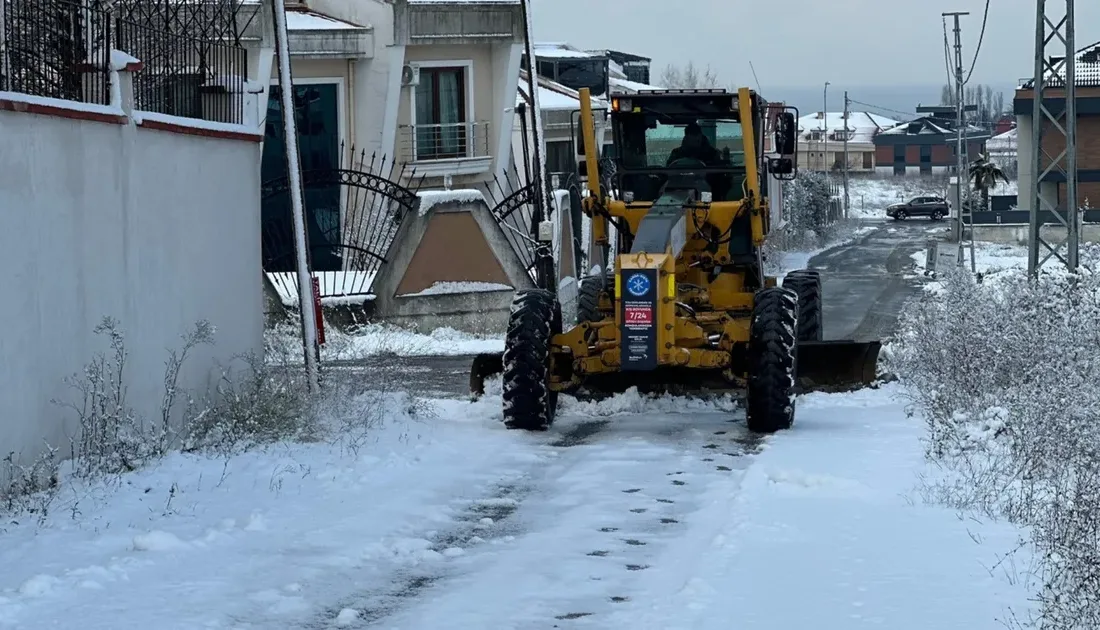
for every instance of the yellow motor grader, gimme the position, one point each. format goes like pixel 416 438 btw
pixel 686 304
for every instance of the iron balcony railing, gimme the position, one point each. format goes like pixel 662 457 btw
pixel 425 143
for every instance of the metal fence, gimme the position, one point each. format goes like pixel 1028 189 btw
pixel 62 49
pixel 54 48
pixel 183 75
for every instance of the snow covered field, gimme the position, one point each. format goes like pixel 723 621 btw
pixel 629 514
pixel 869 196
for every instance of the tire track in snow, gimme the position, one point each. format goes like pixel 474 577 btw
pixel 488 520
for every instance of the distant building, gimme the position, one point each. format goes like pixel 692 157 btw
pixel 925 145
pixel 571 67
pixel 1088 133
pixel 635 68
pixel 821 140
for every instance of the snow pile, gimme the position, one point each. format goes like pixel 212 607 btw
pixel 368 340
pixel 1005 374
pixel 449 288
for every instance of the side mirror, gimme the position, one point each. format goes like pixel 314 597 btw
pixel 786 130
pixel 781 166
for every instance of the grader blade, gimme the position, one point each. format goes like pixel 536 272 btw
pixel 837 365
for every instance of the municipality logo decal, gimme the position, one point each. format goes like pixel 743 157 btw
pixel 638 285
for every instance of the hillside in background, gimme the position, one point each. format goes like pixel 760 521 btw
pixel 891 100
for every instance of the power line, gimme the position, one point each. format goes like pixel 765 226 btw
pixel 985 18
pixel 879 107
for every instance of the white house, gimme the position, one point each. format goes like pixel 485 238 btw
pixel 430 83
pixel 821 140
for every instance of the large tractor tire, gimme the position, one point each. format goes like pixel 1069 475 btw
pixel 772 354
pixel 588 299
pixel 806 283
pixel 528 402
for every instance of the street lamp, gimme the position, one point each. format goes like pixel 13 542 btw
pixel 825 133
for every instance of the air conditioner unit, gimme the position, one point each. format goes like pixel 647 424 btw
pixel 410 74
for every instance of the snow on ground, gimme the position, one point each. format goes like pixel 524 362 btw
pixel 989 258
pixel 631 513
pixel 369 340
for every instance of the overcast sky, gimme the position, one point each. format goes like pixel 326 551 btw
pixel 808 42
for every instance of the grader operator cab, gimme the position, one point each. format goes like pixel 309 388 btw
pixel 686 304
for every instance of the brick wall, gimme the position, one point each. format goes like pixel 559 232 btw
pixel 1088 142
pixel 942 154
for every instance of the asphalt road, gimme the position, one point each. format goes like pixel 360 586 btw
pixel 865 283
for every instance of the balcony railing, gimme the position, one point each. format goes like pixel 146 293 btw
pixel 455 141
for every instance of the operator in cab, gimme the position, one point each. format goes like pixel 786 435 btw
pixel 695 146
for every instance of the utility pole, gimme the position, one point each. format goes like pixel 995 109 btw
pixel 297 202
pixel 846 131
pixel 1048 75
pixel 960 144
pixel 825 133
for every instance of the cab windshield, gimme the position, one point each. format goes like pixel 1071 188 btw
pixel 684 144
pixel 654 146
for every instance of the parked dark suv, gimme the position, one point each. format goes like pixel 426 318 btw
pixel 928 206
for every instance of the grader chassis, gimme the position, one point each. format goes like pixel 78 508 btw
pixel 687 306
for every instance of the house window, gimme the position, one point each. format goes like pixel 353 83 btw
pixel 868 160
pixel 925 159
pixel 899 154
pixel 441 125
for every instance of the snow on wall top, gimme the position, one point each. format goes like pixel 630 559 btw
pixel 561 50
pixel 631 86
pixel 863 125
pixel 555 96
pixel 313 21
pixel 431 198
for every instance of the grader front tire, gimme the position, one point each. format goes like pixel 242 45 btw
pixel 772 354
pixel 529 404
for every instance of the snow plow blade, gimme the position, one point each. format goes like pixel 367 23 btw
pixel 837 365
pixel 840 365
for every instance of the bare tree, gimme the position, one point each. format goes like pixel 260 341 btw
pixel 690 76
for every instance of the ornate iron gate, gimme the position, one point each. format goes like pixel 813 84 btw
pixel 352 216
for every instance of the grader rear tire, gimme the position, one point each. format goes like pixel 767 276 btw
pixel 772 354
pixel 806 283
pixel 529 404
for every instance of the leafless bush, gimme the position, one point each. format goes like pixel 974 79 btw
pixel 1004 373
pixel 30 488
pixel 112 438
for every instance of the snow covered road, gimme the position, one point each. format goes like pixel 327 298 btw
pixel 628 514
